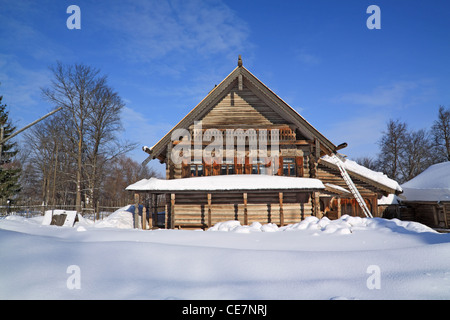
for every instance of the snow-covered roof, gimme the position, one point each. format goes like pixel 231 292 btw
pixel 228 183
pixel 355 168
pixel 431 185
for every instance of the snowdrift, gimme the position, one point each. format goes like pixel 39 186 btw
pixel 312 259
pixel 344 225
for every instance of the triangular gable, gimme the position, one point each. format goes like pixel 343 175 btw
pixel 240 76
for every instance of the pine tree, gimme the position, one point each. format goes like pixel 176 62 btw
pixel 9 174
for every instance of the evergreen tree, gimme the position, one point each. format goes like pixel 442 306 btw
pixel 9 173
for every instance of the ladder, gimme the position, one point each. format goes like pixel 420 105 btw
pixel 351 185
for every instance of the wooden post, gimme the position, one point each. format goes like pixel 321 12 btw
pixel 154 217
pixel 136 210
pixel 338 207
pixel 172 210
pixel 280 197
pixel 144 218
pixel 209 210
pixel 445 216
pixel 435 216
pixel 245 209
pixel 316 204
pixel 167 209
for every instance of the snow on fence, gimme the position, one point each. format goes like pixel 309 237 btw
pixel 29 211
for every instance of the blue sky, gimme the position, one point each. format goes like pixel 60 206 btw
pixel 163 57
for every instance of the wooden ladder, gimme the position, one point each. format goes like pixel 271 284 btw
pixel 351 185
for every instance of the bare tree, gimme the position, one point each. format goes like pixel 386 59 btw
pixel 392 148
pixel 368 162
pixel 441 134
pixel 90 123
pixel 416 156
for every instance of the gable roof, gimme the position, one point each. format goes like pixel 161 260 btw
pixel 258 88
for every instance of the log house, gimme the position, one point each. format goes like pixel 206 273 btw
pixel 240 104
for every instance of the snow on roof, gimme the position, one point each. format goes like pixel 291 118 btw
pixel 228 182
pixel 431 185
pixel 378 177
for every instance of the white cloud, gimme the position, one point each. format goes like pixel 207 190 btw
pixel 360 132
pixel 149 30
pixel 399 94
pixel 307 58
pixel 20 86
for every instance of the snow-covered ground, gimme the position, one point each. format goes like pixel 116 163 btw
pixel 349 258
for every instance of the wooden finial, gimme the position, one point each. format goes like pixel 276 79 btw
pixel 239 61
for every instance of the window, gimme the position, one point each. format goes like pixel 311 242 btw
pixel 289 167
pixel 227 167
pixel 197 170
pixel 259 167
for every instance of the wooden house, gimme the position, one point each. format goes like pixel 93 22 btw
pixel 242 111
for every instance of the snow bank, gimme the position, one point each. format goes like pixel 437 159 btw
pixel 312 259
pixel 121 218
pixel 344 225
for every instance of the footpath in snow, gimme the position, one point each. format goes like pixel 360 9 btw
pixel 348 258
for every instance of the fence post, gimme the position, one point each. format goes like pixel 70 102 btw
pixel 136 210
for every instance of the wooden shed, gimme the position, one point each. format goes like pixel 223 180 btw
pixel 269 140
pixel 427 196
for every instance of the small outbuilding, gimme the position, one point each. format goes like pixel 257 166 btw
pixel 427 196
